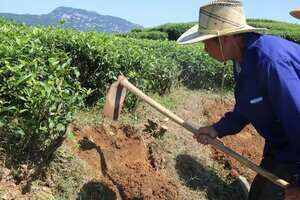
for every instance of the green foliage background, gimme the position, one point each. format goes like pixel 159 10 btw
pixel 47 74
pixel 151 35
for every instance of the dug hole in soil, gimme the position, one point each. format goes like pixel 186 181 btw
pixel 121 156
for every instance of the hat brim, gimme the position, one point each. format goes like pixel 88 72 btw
pixel 295 13
pixel 193 35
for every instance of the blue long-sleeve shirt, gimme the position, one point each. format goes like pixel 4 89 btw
pixel 267 95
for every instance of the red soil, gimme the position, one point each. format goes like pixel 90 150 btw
pixel 120 155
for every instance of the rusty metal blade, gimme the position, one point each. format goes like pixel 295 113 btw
pixel 114 101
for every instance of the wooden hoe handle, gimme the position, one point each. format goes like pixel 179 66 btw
pixel 215 142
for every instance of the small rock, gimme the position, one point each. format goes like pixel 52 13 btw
pixel 165 128
pixel 111 133
pixel 166 119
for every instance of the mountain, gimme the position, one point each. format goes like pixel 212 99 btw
pixel 78 19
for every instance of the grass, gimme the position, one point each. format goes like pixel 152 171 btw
pixel 68 173
pixel 168 101
pixel 1 193
pixel 93 116
pixel 63 178
pixel 88 117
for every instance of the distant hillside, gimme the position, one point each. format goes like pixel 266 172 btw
pixel 78 19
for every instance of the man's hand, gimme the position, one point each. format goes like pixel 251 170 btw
pixel 205 133
pixel 292 193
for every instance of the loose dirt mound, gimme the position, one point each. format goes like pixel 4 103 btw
pixel 120 155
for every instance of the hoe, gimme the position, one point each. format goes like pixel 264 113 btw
pixel 114 102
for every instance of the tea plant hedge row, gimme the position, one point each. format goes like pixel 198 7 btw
pixel 155 66
pixel 286 30
pixel 46 74
pixel 39 92
pixel 151 35
pixel 174 30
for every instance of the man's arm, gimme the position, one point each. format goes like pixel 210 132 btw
pixel 232 123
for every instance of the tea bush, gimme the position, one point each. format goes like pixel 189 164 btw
pixel 151 35
pixel 286 30
pixel 100 58
pixel 174 30
pixel 39 92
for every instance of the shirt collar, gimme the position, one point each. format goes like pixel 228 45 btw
pixel 249 39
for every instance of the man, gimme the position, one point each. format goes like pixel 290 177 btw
pixel 295 13
pixel 267 91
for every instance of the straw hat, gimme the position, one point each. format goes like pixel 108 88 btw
pixel 218 18
pixel 295 13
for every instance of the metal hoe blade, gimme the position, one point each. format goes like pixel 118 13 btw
pixel 114 101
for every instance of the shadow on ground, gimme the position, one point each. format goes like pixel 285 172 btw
pixel 198 177
pixel 96 191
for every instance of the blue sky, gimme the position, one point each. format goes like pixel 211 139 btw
pixel 152 12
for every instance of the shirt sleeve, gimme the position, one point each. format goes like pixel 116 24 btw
pixel 283 86
pixel 231 123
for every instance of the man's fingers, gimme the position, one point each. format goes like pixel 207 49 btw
pixel 205 134
pixel 203 139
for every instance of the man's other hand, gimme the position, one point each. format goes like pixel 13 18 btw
pixel 204 134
